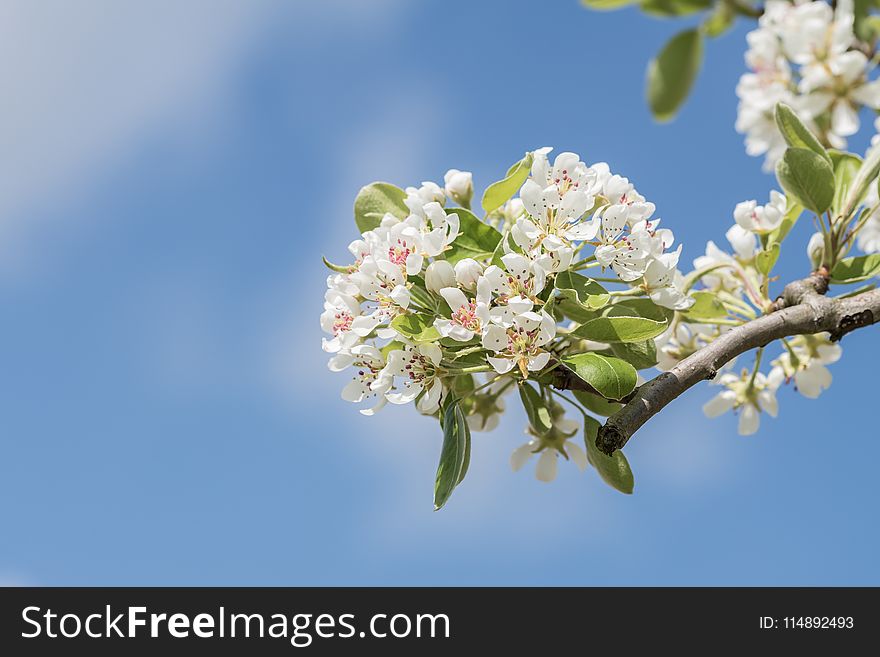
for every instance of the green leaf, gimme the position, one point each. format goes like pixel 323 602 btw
pixel 719 21
pixel 632 307
pixel 498 193
pixel 337 268
pixel 536 409
pixel 476 239
pixel 766 259
pixel 796 134
pixel 670 8
pixel 374 201
pixel 863 25
pixel 640 355
pixel 416 327
pixel 672 73
pixel 807 177
pixel 612 378
pixel 614 469
pixel 394 345
pixel 454 455
pixel 574 311
pixel 585 291
pixel 792 214
pixel 846 166
pixel 706 306
pixel 866 177
pixel 855 269
pixel 596 404
pixel 605 5
pixel 620 329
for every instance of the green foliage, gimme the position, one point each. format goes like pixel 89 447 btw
pixel 671 8
pixel 498 193
pixel 477 239
pixel 374 201
pixel 766 259
pixel 706 307
pixel 536 409
pixel 605 5
pixel 807 177
pixel 792 214
pixel 585 291
pixel 632 307
pixel 620 329
pixel 640 355
pixel 866 177
pixel 416 327
pixel 455 453
pixel 337 268
pixel 719 21
pixel 846 166
pixel 856 269
pixel 796 134
pixel 596 404
pixel 614 469
pixel 672 73
pixel 612 378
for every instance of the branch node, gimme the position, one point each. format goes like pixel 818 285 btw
pixel 610 438
pixel 851 323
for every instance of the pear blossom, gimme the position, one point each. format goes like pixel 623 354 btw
pixel 520 344
pixel 806 55
pixel 683 339
pixel 521 278
pixel 550 446
pixel 748 395
pixel 743 241
pixel 418 197
pixel 484 409
pixel 628 254
pixel 443 230
pixel 366 383
pixel 340 311
pixel 469 316
pixel 555 199
pixel 805 362
pixel 761 219
pixel 459 186
pixel 868 238
pixel 663 282
pixel 468 272
pixel 438 275
pixel 816 250
pixel 412 374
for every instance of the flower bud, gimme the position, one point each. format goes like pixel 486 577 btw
pixel 816 250
pixel 439 275
pixel 467 272
pixel 459 186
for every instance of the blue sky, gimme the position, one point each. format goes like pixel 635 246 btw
pixel 172 173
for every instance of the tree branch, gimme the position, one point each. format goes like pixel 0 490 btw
pixel 800 310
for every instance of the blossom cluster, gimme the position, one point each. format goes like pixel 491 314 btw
pixel 806 55
pixel 421 311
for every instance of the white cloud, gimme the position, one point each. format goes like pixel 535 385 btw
pixel 390 144
pixel 85 83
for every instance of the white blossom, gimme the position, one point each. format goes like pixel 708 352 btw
pixel 520 344
pixel 748 395
pixel 761 219
pixel 459 186
pixel 549 447
pixel 411 373
pixel 469 317
pixel 438 275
